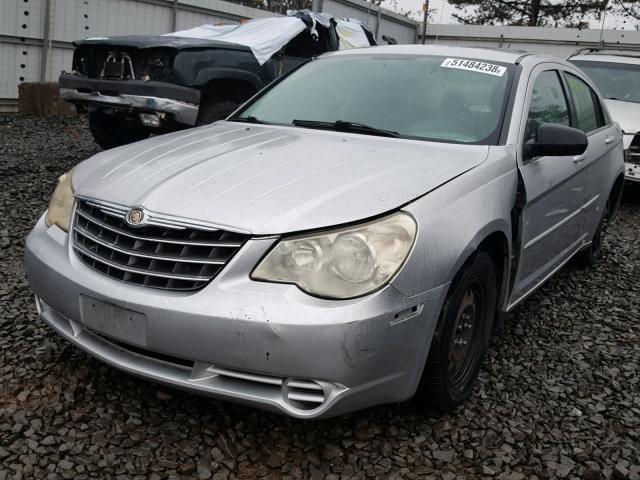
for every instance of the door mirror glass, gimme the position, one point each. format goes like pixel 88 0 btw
pixel 556 140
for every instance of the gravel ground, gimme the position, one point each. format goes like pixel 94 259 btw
pixel 559 396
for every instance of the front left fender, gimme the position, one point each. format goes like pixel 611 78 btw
pixel 455 219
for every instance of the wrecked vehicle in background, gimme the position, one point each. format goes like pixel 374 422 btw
pixel 135 86
pixel 616 73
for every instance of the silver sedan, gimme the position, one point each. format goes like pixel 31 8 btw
pixel 349 237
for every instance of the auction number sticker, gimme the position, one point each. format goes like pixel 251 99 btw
pixel 474 66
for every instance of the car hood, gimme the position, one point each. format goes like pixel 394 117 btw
pixel 627 114
pixel 156 41
pixel 270 179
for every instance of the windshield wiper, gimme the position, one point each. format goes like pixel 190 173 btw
pixel 621 99
pixel 249 120
pixel 343 126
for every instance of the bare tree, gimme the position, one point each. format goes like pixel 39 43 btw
pixel 530 12
pixel 626 9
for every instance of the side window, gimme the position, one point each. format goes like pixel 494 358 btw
pixel 587 105
pixel 548 103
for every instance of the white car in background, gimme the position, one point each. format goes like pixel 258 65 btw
pixel 616 73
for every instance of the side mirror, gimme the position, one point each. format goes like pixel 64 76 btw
pixel 556 140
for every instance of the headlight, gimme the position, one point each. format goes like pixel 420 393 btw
pixel 61 204
pixel 343 263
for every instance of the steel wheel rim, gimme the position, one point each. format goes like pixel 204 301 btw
pixel 464 345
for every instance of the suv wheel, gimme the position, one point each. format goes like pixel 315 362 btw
pixel 461 338
pixel 110 131
pixel 212 110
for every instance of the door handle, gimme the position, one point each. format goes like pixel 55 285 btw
pixel 609 140
pixel 579 158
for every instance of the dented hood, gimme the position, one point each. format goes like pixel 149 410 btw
pixel 627 114
pixel 270 179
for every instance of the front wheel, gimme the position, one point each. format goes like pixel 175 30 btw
pixel 461 338
pixel 110 131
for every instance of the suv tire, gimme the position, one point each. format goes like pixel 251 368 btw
pixel 212 110
pixel 110 131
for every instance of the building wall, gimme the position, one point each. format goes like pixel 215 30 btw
pixel 36 35
pixel 560 42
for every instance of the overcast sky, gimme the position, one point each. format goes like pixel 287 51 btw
pixel 441 13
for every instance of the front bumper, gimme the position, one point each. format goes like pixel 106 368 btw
pixel 261 344
pixel 632 172
pixel 182 103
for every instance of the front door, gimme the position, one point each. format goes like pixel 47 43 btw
pixel 559 207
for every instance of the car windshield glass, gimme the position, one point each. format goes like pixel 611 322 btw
pixel 421 97
pixel 616 81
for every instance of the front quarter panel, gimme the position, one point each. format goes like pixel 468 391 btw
pixel 196 67
pixel 454 219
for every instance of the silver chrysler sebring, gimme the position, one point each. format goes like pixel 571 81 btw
pixel 350 236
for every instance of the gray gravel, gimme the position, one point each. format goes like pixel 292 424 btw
pixel 558 398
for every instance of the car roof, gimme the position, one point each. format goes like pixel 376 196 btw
pixel 488 54
pixel 632 58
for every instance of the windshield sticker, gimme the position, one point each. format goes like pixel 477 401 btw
pixel 474 66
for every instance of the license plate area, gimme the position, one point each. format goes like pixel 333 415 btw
pixel 114 321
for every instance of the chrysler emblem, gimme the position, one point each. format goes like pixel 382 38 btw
pixel 135 216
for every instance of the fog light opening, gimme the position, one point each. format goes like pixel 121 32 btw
pixel 303 394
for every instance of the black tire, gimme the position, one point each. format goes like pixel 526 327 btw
pixel 110 131
pixel 452 367
pixel 211 110
pixel 593 253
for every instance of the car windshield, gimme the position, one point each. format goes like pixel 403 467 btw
pixel 421 97
pixel 616 81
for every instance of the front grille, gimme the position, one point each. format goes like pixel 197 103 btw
pixel 141 64
pixel 164 255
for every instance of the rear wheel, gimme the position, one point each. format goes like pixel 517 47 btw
pixel 461 339
pixel 110 131
pixel 593 253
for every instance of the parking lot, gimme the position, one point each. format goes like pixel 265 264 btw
pixel 559 396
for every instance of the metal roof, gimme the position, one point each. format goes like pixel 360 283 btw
pixel 632 58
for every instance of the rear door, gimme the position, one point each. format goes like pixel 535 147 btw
pixel 559 207
pixel 589 116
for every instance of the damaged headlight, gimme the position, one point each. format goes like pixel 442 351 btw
pixel 342 263
pixel 157 66
pixel 61 204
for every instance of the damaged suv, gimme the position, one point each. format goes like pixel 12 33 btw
pixel 136 86
pixel 318 254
